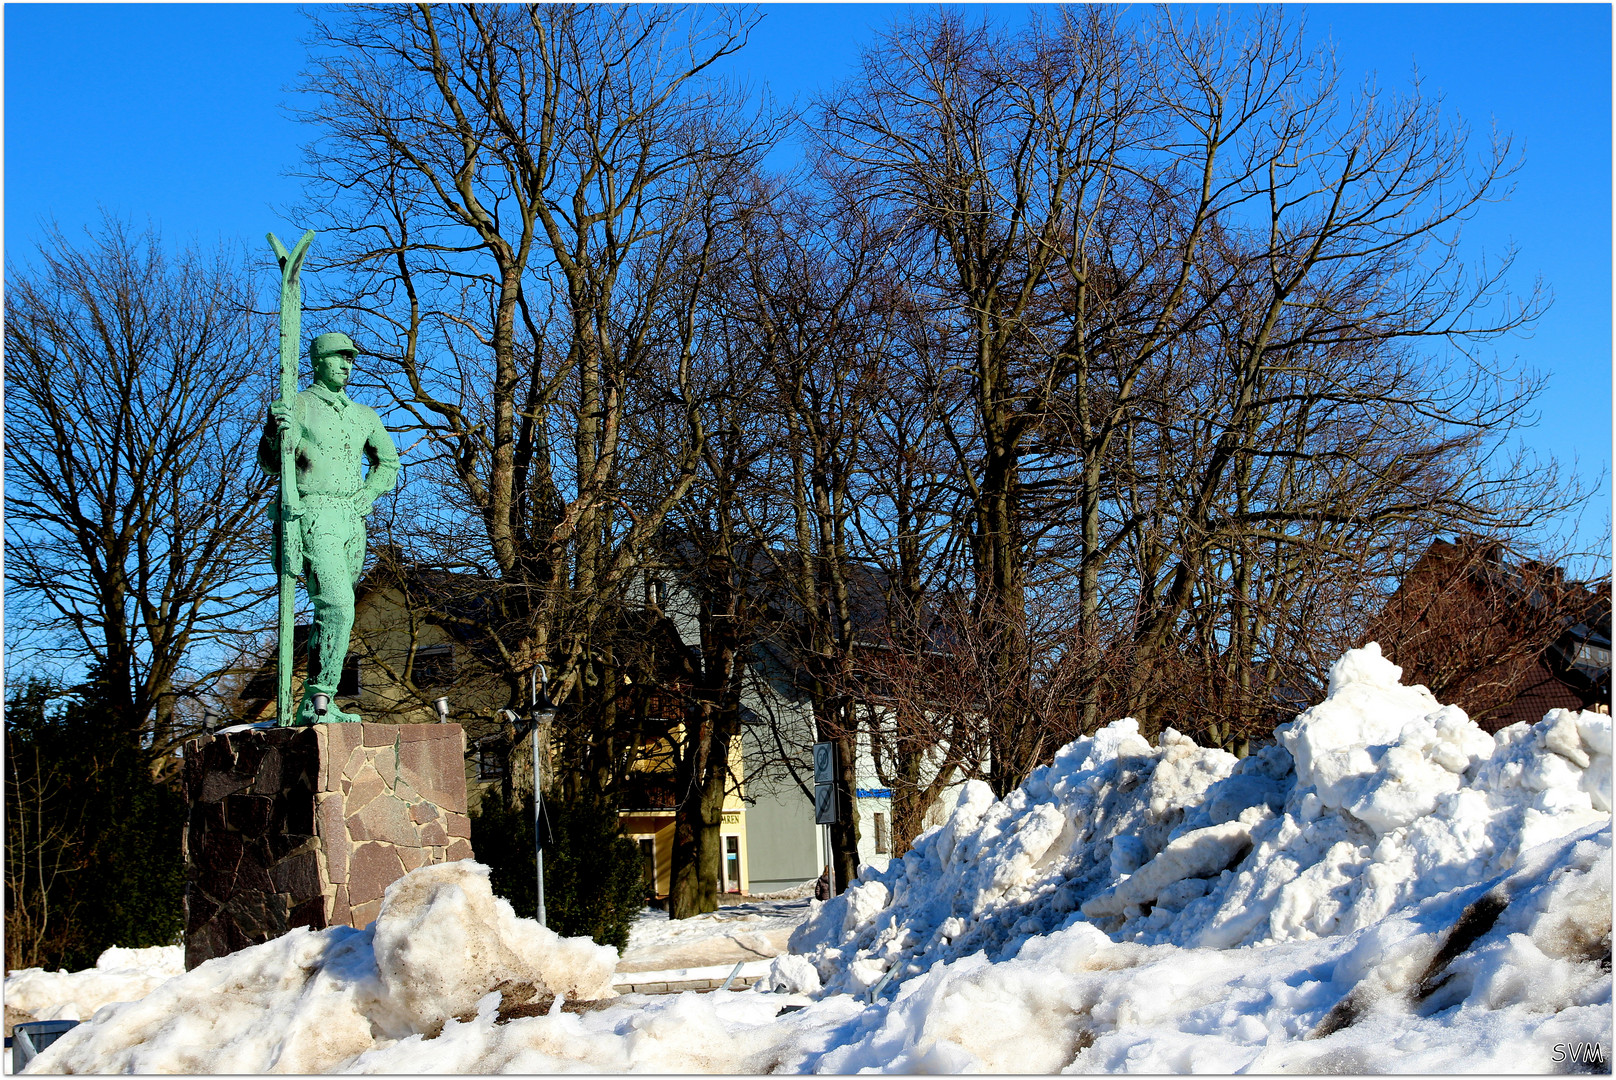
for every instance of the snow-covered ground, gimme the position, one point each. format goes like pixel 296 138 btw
pixel 746 932
pixel 118 975
pixel 1387 888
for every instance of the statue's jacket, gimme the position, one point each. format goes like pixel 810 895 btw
pixel 337 436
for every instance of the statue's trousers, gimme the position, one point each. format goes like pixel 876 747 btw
pixel 328 542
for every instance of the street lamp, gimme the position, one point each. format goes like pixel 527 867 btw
pixel 543 711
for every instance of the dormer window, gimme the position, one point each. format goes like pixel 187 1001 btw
pixel 433 666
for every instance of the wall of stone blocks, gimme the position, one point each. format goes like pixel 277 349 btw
pixel 308 826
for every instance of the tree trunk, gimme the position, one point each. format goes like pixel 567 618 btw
pixel 703 784
pixel 690 834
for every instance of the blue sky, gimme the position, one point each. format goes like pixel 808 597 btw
pixel 174 113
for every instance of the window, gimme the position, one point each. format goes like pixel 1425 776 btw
pixel 491 761
pixel 433 667
pixel 648 864
pixel 883 842
pixel 732 864
pixel 656 592
pixel 1592 659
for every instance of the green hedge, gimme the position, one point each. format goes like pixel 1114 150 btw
pixel 93 846
pixel 592 877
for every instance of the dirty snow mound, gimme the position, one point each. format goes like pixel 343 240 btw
pixel 119 975
pixel 443 946
pixel 1374 799
pixel 1496 976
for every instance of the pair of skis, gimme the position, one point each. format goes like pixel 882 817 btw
pixel 291 327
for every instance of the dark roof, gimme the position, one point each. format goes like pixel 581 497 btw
pixel 765 574
pixel 1522 600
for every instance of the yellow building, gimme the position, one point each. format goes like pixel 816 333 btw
pixel 652 828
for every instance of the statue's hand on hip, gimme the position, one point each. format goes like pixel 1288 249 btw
pixel 363 503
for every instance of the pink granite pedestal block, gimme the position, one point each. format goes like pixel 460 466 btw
pixel 308 826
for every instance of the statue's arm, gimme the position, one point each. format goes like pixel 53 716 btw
pixel 269 443
pixel 383 458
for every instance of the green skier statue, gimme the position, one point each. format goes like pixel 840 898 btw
pixel 326 440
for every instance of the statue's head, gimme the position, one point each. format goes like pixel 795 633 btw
pixel 332 357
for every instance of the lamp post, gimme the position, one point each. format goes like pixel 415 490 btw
pixel 543 711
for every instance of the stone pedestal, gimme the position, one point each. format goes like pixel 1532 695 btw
pixel 307 826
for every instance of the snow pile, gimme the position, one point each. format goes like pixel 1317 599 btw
pixel 118 975
pixel 1405 893
pixel 443 946
pixel 1374 799
pixel 1490 977
pixel 1483 979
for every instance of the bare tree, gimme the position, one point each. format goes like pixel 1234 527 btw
pixel 526 199
pixel 716 541
pixel 993 152
pixel 134 517
pixel 1314 426
pixel 812 312
pixel 921 684
pixel 1223 357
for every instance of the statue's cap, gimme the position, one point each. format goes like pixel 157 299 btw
pixel 331 343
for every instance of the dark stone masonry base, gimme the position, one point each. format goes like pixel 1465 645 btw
pixel 308 826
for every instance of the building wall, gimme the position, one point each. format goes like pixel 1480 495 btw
pixel 782 838
pixel 385 627
pixel 780 846
pixel 787 847
pixel 657 827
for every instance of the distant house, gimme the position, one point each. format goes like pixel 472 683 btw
pixel 783 847
pixel 420 634
pixel 1505 639
pixel 416 638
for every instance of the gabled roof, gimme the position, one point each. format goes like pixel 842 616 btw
pixel 765 574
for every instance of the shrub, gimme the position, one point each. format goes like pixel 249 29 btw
pixel 592 876
pixel 93 846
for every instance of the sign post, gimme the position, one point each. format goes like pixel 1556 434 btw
pixel 826 804
pixel 543 710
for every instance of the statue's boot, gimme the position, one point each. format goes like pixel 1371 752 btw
pixel 333 715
